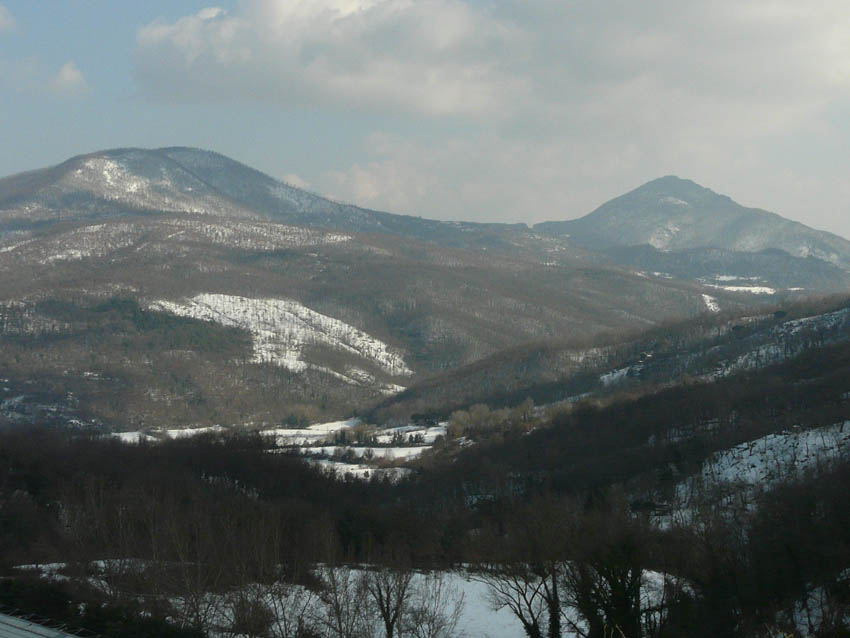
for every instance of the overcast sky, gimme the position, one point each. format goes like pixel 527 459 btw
pixel 511 110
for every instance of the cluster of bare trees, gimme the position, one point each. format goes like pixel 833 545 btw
pixel 234 575
pixel 393 602
pixel 563 571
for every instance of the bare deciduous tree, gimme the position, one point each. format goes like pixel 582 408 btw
pixel 346 610
pixel 435 608
pixel 389 589
pixel 516 587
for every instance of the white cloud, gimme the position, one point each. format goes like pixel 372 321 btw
pixel 431 56
pixel 294 180
pixel 7 20
pixel 555 106
pixel 68 80
pixel 30 75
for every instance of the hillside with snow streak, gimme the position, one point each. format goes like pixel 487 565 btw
pixel 283 328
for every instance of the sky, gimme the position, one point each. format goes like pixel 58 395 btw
pixel 482 110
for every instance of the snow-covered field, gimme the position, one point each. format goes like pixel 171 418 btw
pixel 317 440
pixel 134 437
pixel 411 432
pixel 385 453
pixel 185 433
pixel 360 470
pixel 282 328
pixel 312 434
pixel 478 616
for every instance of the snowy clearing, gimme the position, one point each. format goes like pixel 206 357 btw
pixel 133 437
pixel 185 433
pixel 385 453
pixel 282 328
pixel 409 432
pixel 311 434
pixel 360 471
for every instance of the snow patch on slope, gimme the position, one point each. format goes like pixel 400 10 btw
pixel 662 236
pixel 282 328
pixel 753 290
pixel 615 376
pixel 98 240
pixel 138 180
pixel 675 201
pixel 772 459
pixel 831 328
pixel 711 303
pixel 253 235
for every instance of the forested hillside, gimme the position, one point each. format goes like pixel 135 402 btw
pixel 729 490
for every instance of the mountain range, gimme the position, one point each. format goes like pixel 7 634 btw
pixel 179 286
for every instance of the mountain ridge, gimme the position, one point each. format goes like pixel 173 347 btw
pixel 161 252
pixel 190 175
pixel 674 214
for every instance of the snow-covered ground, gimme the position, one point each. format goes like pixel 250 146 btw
pixel 185 433
pixel 615 376
pixel 726 278
pixel 775 457
pixel 131 179
pixel 826 321
pixel 675 201
pixel 312 434
pixel 96 240
pixel 282 328
pixel 250 235
pixel 384 453
pixel 739 474
pixel 360 470
pixel 133 437
pixel 411 432
pixel 711 303
pixel 775 351
pixel 317 441
pixel 478 616
pixel 753 290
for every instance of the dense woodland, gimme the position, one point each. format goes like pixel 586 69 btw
pixel 557 370
pixel 561 522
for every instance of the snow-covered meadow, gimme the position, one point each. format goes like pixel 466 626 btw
pixel 317 444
